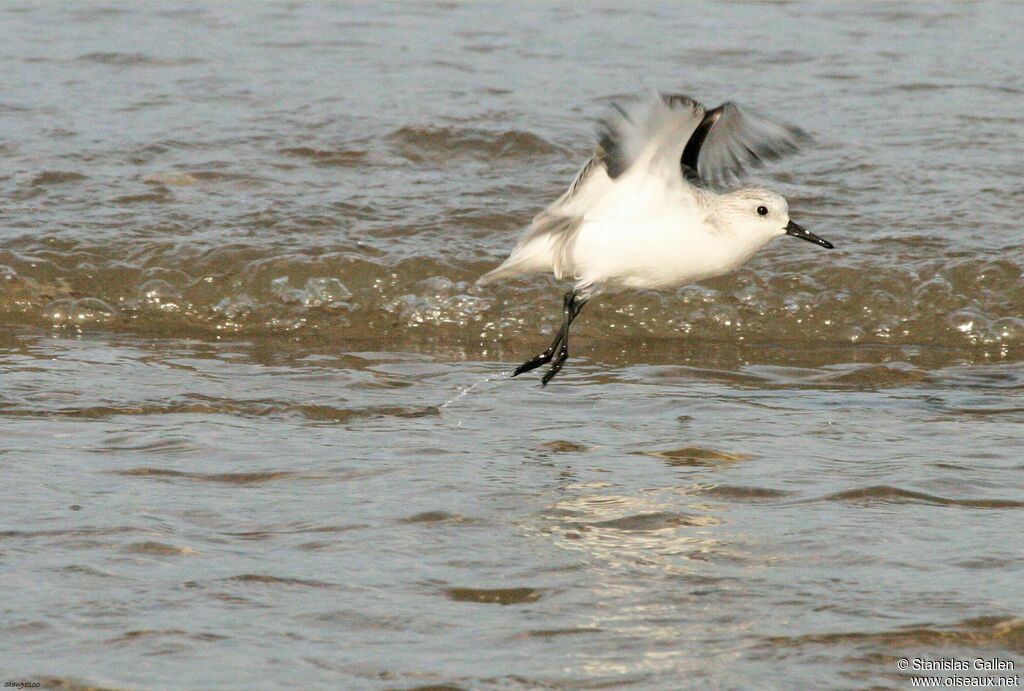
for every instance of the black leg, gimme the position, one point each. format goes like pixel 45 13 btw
pixel 571 306
pixel 574 303
pixel 545 357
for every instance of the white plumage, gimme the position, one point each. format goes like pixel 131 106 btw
pixel 639 213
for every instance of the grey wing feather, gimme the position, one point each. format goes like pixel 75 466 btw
pixel 731 140
pixel 653 130
pixel 594 167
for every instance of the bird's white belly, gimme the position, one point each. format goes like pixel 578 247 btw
pixel 659 251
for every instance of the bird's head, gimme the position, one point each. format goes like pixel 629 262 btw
pixel 759 214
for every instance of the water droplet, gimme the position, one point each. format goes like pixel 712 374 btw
pixel 92 311
pixel 326 291
pixel 59 312
pixel 158 291
pixel 235 307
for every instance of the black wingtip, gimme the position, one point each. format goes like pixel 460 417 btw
pixel 692 151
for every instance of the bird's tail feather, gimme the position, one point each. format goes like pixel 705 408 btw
pixel 504 270
pixel 547 246
pixel 531 255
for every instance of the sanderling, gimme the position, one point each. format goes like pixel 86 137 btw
pixel 641 214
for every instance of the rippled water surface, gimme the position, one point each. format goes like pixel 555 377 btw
pixel 256 426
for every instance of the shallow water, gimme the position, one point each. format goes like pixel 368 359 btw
pixel 255 423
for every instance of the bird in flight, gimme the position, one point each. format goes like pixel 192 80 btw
pixel 642 213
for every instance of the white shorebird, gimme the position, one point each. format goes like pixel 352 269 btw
pixel 640 214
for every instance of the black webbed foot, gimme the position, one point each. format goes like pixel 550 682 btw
pixel 556 366
pixel 533 363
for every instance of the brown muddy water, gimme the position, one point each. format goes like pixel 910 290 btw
pixel 256 428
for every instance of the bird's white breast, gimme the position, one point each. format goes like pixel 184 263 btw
pixel 643 236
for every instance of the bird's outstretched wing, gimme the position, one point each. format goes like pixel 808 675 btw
pixel 729 140
pixel 649 133
pixel 667 133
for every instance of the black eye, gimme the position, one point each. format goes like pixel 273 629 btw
pixel 762 211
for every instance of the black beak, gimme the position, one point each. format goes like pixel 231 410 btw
pixel 799 231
